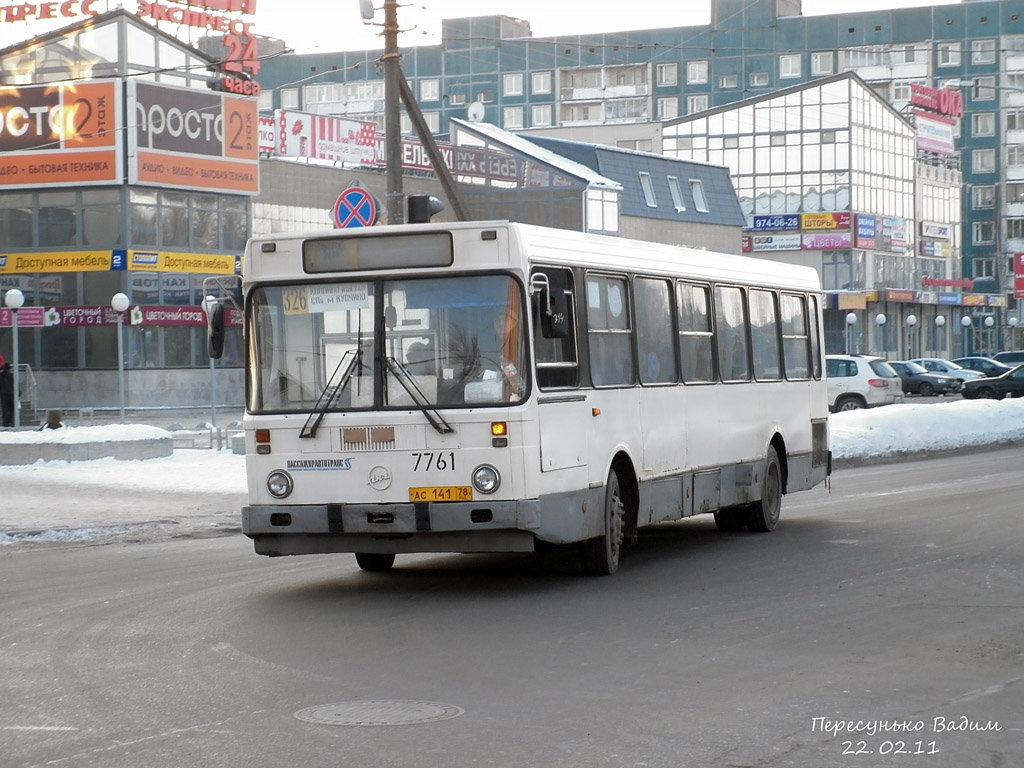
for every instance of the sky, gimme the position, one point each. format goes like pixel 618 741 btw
pixel 336 25
pixel 890 431
pixel 342 27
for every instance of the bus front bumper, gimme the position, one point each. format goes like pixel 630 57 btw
pixel 499 526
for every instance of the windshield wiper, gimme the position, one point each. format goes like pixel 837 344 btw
pixel 330 393
pixel 402 375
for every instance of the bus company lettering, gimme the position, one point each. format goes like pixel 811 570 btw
pixel 302 465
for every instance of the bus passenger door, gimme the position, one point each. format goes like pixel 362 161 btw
pixel 562 407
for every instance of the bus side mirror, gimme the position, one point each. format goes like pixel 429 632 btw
pixel 552 305
pixel 215 330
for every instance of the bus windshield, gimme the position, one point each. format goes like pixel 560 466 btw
pixel 378 344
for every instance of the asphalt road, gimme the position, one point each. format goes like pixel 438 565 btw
pixel 880 625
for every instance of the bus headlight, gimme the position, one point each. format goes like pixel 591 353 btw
pixel 486 479
pixel 279 483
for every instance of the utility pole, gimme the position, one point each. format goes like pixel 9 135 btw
pixel 392 116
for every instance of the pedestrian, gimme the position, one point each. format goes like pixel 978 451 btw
pixel 6 392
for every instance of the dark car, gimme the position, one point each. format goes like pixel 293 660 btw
pixel 1010 384
pixel 1013 357
pixel 917 381
pixel 985 365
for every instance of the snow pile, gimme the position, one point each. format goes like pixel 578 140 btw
pixel 909 428
pixel 108 433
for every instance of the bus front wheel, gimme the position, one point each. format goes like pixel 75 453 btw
pixel 375 561
pixel 601 555
pixel 763 515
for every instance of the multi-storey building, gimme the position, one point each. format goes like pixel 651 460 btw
pixel 627 82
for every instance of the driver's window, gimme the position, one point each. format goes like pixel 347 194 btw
pixel 557 361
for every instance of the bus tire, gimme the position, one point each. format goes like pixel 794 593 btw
pixel 601 555
pixel 375 561
pixel 763 515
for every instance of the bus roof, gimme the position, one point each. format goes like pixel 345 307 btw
pixel 580 249
pixel 571 248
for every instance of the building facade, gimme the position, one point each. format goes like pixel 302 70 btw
pixel 117 179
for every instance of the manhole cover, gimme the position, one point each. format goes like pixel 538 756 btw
pixel 379 713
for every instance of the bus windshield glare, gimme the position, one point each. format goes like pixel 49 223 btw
pixel 405 343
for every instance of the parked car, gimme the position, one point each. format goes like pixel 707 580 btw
pixel 860 381
pixel 946 368
pixel 1015 357
pixel 985 365
pixel 1010 384
pixel 917 381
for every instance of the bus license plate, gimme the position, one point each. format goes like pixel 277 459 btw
pixel 442 493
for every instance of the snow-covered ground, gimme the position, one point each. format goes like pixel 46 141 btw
pixel 871 435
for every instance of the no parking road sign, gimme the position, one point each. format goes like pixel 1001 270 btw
pixel 355 208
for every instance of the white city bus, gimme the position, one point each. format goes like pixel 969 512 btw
pixel 498 387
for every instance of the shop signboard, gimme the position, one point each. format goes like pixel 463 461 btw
pixel 826 241
pixel 61 135
pixel 191 139
pixel 839 220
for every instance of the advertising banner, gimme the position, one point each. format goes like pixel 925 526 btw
pixel 165 261
pixel 1018 275
pixel 935 134
pixel 783 242
pixel 119 260
pixel 322 137
pixel 61 135
pixel 192 139
pixel 840 220
pixel 92 316
pixel 882 234
pixel 268 135
pixel 776 222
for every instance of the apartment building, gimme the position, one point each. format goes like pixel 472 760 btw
pixel 620 88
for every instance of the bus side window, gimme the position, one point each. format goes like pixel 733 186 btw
pixel 695 335
pixel 557 359
pixel 609 331
pixel 731 334
pixel 764 333
pixel 795 337
pixel 656 351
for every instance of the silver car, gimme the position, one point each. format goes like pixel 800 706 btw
pixel 861 381
pixel 947 368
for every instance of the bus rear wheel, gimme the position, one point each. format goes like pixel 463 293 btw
pixel 763 515
pixel 601 555
pixel 375 561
